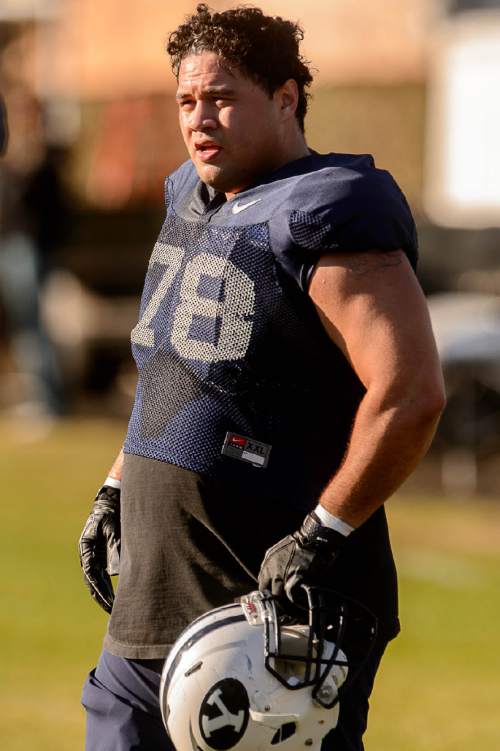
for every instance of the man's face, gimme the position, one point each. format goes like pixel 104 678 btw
pixel 230 125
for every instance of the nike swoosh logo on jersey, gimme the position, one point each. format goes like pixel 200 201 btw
pixel 237 208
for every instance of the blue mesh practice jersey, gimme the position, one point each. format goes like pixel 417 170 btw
pixel 228 343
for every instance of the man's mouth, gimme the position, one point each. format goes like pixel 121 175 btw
pixel 207 150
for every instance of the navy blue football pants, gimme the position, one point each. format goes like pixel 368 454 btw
pixel 123 713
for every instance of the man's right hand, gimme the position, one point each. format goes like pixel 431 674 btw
pixel 99 546
pixel 305 557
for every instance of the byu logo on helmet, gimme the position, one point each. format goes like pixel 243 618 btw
pixel 224 714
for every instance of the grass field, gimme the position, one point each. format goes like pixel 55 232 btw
pixel 439 686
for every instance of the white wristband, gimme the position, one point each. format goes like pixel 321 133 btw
pixel 329 520
pixel 113 482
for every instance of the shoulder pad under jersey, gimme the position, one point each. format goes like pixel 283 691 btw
pixel 344 205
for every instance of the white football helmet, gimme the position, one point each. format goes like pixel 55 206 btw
pixel 238 678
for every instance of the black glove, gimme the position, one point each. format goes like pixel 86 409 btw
pixel 304 557
pixel 99 546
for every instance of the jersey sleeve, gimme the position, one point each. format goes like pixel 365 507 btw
pixel 349 212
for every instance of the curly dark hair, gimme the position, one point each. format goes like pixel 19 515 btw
pixel 264 48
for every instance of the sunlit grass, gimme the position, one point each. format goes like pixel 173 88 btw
pixel 439 686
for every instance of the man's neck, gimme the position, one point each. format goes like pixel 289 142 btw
pixel 298 150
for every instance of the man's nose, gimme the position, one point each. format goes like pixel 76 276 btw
pixel 202 116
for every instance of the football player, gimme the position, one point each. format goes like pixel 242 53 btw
pixel 288 380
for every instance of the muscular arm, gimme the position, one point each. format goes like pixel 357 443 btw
pixel 372 307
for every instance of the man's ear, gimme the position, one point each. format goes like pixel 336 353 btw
pixel 288 98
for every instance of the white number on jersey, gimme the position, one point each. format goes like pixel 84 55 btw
pixel 234 311
pixel 171 257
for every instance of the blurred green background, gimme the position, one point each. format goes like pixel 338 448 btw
pixel 438 688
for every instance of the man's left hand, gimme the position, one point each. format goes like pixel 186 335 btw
pixel 99 546
pixel 304 557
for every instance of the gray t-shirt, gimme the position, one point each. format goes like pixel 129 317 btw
pixel 191 543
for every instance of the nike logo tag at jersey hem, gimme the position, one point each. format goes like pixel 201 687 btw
pixel 246 449
pixel 237 208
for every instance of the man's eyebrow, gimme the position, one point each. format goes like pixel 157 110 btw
pixel 207 91
pixel 218 90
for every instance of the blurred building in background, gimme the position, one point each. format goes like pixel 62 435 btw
pixel 414 82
